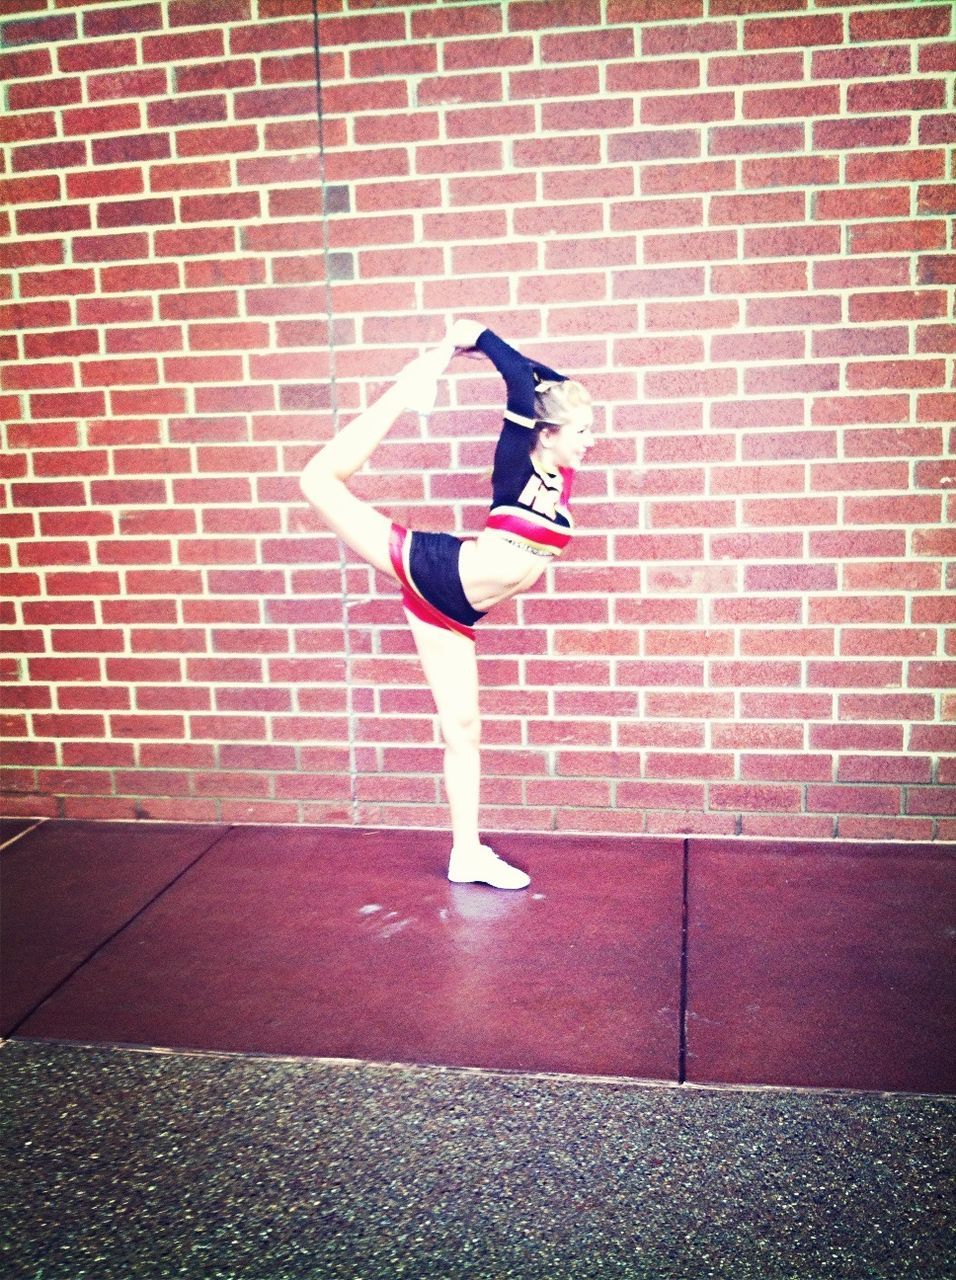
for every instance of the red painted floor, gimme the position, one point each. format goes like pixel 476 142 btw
pixel 825 965
pixel 820 964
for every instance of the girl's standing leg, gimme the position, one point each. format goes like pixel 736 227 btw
pixel 450 665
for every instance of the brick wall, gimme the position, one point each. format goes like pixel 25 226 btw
pixel 730 218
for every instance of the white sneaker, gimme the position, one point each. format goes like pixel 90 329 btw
pixel 419 378
pixel 485 867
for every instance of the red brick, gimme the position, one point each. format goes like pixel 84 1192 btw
pixel 845 544
pixel 938 198
pixel 666 144
pixel 421 59
pixel 136 213
pixel 933 542
pixel 790 171
pixel 376 197
pixel 787 768
pixel 26 64
pixel 897 237
pixel 697 108
pixel 43 187
pixel 205 174
pixel 147 726
pixel 62 91
pixel 68 726
pixel 644 283
pixel 791 103
pixel 109 248
pixel 755 68
pixel 39 30
pixel 136 17
pixel 677 441
pixel 896 95
pixel 232 73
pixel 109 182
pixel 456 158
pixel 29 253
pixel 690 383
pixel 200 241
pixel 225 140
pixel 127 492
pixel 882 575
pixel 478 122
pixel 936 407
pixel 868 202
pixel 131 149
pixel 736 210
pixel 847 134
pixel 937 57
pixel 854 799
pixel 112 373
pixel 770 797
pixel 695 37
pixel 637 77
pixel 556 151
pixel 385 264
pixel 450 226
pixel 35 315
pixel 838 410
pixel 899 305
pixel 672 179
pixel 751 139
pixel 931 800
pixel 857 737
pixel 895 373
pixel 901 24
pixel 451 89
pixel 192 13
pixel 255 104
pixel 669 316
pixel 848 64
pixel 790 32
pixel 49 155
pixel 23 126
pixel 206 108
pixel 91 56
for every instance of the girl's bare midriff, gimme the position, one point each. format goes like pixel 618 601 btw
pixel 494 569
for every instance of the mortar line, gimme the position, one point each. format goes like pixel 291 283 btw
pixel 334 404
pixel 682 1049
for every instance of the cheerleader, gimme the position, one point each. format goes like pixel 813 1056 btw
pixel 448 583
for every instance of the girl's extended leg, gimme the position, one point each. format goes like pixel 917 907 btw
pixel 451 669
pixel 357 523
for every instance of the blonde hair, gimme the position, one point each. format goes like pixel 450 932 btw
pixel 556 402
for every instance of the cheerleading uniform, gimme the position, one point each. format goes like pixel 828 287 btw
pixel 529 505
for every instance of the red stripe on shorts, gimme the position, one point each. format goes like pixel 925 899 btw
pixel 413 601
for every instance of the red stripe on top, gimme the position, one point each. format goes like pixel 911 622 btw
pixel 542 535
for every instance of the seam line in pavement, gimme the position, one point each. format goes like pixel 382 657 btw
pixel 115 934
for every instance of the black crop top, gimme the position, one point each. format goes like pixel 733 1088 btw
pixel 529 504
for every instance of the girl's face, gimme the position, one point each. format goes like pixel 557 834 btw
pixel 566 446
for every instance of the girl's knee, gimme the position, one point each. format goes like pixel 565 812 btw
pixel 320 484
pixel 461 732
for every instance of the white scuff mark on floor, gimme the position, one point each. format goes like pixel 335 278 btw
pixel 369 910
pixel 390 930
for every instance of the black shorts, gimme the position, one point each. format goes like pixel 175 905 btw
pixel 427 567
